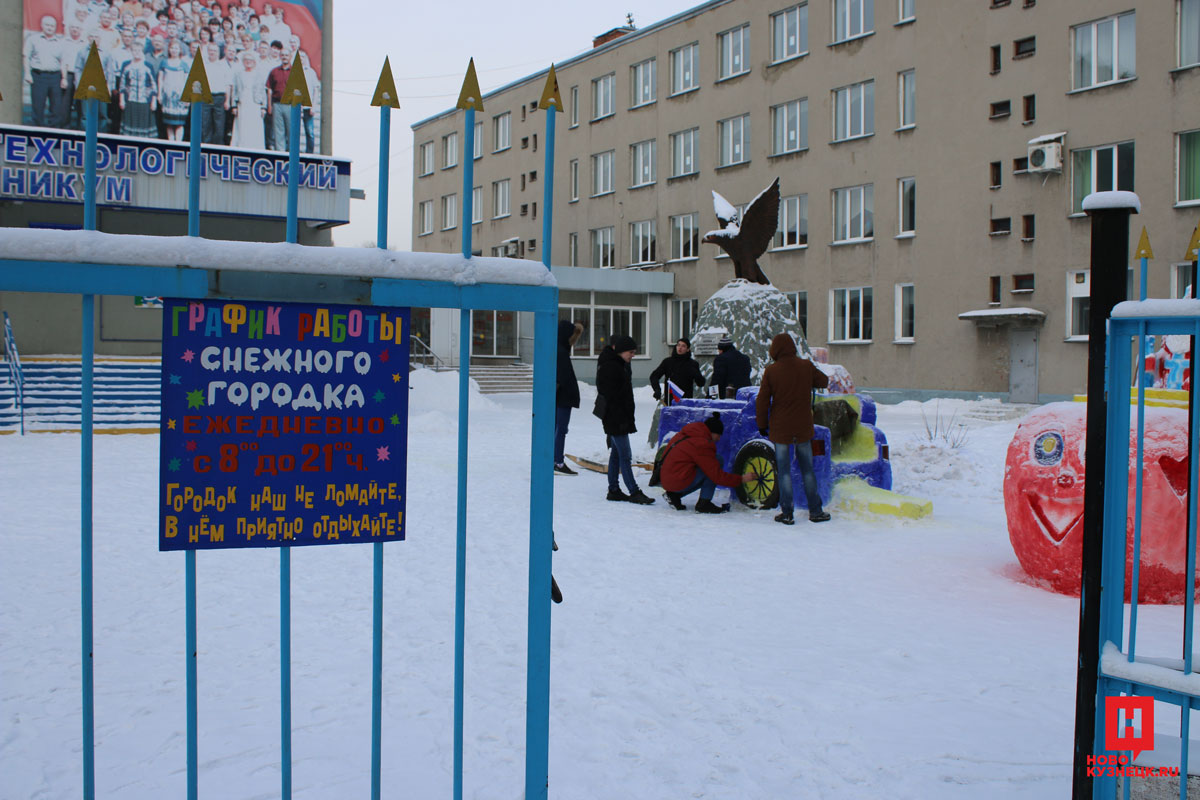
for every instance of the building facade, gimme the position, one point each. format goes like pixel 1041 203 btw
pixel 932 159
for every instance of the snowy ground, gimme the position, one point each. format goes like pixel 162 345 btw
pixel 695 656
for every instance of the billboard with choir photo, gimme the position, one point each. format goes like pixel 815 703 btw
pixel 147 47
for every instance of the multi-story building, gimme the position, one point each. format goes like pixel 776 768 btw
pixel 932 158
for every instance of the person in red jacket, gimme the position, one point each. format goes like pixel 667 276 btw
pixel 691 463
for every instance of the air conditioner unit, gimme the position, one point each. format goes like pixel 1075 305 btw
pixel 1045 157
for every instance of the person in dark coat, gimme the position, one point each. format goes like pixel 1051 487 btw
pixel 691 463
pixel 614 383
pixel 784 415
pixel 566 392
pixel 731 368
pixel 679 368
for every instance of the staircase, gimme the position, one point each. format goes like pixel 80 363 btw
pixel 125 395
pixel 505 378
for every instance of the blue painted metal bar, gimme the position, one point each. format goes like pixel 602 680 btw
pixel 385 135
pixel 85 488
pixel 194 170
pixel 548 188
pixel 1189 606
pixel 1185 729
pixel 285 671
pixel 460 563
pixel 293 192
pixel 468 181
pixel 1140 459
pixel 541 541
pixel 193 770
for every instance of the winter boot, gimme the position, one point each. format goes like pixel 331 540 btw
pixel 708 507
pixel 640 498
pixel 676 501
pixel 820 516
pixel 617 495
pixel 785 517
pixel 563 469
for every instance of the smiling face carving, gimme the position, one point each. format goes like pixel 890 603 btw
pixel 1043 499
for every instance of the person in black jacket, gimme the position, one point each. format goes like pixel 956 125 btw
pixel 566 392
pixel 680 369
pixel 614 383
pixel 731 368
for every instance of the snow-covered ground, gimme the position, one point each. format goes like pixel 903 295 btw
pixel 694 657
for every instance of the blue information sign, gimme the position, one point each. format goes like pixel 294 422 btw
pixel 283 424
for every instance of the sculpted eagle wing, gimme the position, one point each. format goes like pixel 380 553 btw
pixel 761 220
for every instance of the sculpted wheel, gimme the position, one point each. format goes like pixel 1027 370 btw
pixel 759 457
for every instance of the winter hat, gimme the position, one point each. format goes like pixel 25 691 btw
pixel 725 343
pixel 714 423
pixel 621 343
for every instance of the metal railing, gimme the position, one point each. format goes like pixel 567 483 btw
pixel 13 358
pixel 421 355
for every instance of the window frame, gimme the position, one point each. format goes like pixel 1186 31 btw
pixel 603 104
pixel 1077 291
pixel 450 150
pixel 793 220
pixel 604 237
pixel 1118 181
pixel 574 94
pixel 843 16
pixel 742 143
pixel 682 155
pixel 799 301
pixel 906 86
pixel 1180 200
pixel 685 232
pixel 449 204
pixel 843 110
pixel 425 218
pixel 501 187
pixel 1184 8
pixel 602 167
pixel 643 242
pixel 906 209
pixel 502 132
pixel 800 125
pixel 679 308
pixel 573 181
pixel 477 146
pixel 912 11
pixel 425 159
pixel 1117 38
pixel 476 205
pixel 643 87
pixel 841 307
pixel 738 39
pixel 687 70
pixel 780 51
pixel 643 163
pixel 866 196
pixel 906 326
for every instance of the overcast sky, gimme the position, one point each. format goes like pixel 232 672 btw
pixel 429 50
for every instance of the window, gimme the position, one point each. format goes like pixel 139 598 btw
pixel 854 111
pixel 907 11
pixel 684 63
pixel 603 254
pixel 572 249
pixel 1000 226
pixel 502 131
pixel 450 150
pixel 995 59
pixel 477 205
pixel 1104 51
pixel 789 33
pixel 908 206
pixel 995 175
pixel 1000 109
pixel 1028 228
pixel 683 319
pixel 793 222
pixel 1189 167
pixel 1000 3
pixel 800 303
pixel 1100 169
pixel 1078 303
pixel 852 18
pixel 524 141
pixel 645 76
pixel 643 156
pixel 685 237
pixel 425 159
pixel 850 312
pixel 908 98
pixel 994 290
pixel 905 317
pixel 500 199
pixel 854 213
pixel 733 52
pixel 1023 283
pixel 1029 106
pixel 425 217
pixel 478 148
pixel 1021 164
pixel 574 106
pixel 789 127
pixel 494 333
pixel 1024 48
pixel 602 97
pixel 1189 32
pixel 449 211
pixel 733 137
pixel 573 179
pixel 641 242
pixel 683 152
pixel 1181 280
pixel 602 178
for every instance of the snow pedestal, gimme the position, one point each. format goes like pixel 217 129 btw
pixel 752 314
pixel 1043 499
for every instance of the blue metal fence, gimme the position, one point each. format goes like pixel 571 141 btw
pixel 14 368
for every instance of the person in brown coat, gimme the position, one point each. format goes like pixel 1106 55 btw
pixel 784 415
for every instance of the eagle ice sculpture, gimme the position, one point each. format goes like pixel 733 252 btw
pixel 747 237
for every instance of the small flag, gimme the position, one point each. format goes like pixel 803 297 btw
pixel 674 391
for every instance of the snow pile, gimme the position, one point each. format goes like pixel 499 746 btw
pixel 94 247
pixel 752 314
pixel 433 400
